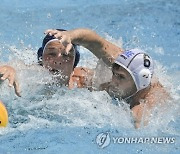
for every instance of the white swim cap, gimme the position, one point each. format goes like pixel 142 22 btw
pixel 139 65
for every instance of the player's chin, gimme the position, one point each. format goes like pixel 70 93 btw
pixel 54 71
pixel 115 92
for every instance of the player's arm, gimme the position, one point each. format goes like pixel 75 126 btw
pixel 87 38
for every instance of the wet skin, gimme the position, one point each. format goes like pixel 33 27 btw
pixel 122 84
pixel 57 61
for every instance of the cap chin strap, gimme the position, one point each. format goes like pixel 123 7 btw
pixel 131 95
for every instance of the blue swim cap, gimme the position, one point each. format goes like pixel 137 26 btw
pixel 46 39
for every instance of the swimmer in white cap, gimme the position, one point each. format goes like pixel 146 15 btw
pixel 132 78
pixel 7 72
pixel 138 67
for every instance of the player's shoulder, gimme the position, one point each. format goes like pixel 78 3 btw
pixel 82 71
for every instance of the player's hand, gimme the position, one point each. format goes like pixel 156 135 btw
pixel 7 72
pixel 63 36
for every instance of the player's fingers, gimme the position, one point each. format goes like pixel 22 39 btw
pixel 17 88
pixel 11 79
pixel 5 75
pixel 51 32
pixel 68 48
pixel 2 70
pixel 58 35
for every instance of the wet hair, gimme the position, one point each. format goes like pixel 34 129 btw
pixel 46 39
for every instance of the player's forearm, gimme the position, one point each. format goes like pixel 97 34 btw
pixel 100 47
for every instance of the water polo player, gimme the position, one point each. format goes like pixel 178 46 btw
pixel 53 56
pixel 132 78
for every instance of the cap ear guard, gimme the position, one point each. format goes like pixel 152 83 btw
pixel 144 78
pixel 39 54
pixel 144 75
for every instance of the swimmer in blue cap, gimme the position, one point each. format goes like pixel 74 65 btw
pixel 63 61
pixel 132 78
pixel 7 72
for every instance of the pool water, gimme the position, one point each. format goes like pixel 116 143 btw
pixel 52 119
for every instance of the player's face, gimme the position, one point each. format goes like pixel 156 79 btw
pixel 55 59
pixel 122 84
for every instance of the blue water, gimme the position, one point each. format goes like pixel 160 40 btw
pixel 51 119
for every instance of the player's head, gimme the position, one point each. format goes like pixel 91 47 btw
pixel 132 72
pixel 52 56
